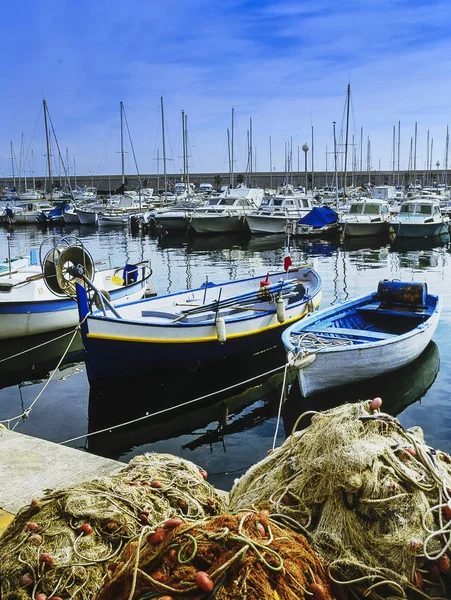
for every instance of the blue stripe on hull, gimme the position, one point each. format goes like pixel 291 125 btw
pixel 48 306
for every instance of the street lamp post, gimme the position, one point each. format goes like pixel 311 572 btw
pixel 437 164
pixel 305 150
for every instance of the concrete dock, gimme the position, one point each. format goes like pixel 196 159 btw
pixel 29 466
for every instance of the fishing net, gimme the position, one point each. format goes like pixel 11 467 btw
pixel 62 544
pixel 241 556
pixel 371 496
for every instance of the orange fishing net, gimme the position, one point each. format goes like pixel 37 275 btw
pixel 242 556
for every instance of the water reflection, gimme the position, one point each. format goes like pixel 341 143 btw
pixel 32 358
pixel 415 244
pixel 367 241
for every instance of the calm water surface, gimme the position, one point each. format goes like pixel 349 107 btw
pixel 223 437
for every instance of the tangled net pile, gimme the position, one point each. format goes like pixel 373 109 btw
pixel 372 497
pixel 62 544
pixel 242 556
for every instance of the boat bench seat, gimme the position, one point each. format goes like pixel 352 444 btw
pixel 362 333
pixel 398 311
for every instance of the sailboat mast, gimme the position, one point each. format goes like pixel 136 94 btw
pixel 32 169
pixel 228 153
pixel 361 151
pixel 415 159
pixel 250 152
pixel 348 101
pixel 270 163
pixel 336 172
pixel 446 157
pixel 12 166
pixel 164 150
pixel 430 161
pixel 49 158
pixel 394 153
pixel 122 145
pixel 186 151
pixel 399 147
pixel 184 148
pixel 20 161
pixel 313 164
pixel 232 159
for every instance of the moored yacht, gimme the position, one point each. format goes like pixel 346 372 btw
pixel 420 217
pixel 366 217
pixel 227 212
pixel 276 212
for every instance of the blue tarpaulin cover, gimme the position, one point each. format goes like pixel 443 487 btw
pixel 319 216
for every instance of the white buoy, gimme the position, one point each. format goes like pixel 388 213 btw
pixel 280 310
pixel 221 330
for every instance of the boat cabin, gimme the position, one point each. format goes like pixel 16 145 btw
pixel 425 207
pixel 369 208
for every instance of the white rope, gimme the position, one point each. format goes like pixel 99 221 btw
pixel 282 394
pixel 165 410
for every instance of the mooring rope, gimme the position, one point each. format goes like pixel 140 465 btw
pixel 177 406
pixel 25 414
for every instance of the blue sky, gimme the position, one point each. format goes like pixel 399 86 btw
pixel 285 64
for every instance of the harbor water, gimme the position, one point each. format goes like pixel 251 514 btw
pixel 227 432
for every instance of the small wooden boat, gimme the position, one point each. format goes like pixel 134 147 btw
pixel 362 338
pixel 197 326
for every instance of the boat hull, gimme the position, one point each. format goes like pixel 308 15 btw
pixel 344 368
pixel 38 310
pixel 179 223
pixel 260 224
pixel 339 365
pixel 363 229
pixel 147 338
pixel 86 217
pixel 218 224
pixel 419 230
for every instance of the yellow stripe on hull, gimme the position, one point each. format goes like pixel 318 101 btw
pixel 101 336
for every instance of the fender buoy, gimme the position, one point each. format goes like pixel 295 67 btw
pixel 280 310
pixel 221 330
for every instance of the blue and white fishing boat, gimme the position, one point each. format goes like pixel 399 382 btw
pixel 196 326
pixel 31 302
pixel 362 338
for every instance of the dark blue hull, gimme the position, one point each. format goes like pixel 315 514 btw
pixel 109 359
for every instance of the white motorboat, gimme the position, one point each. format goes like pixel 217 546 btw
pixel 366 217
pixel 420 217
pixel 227 212
pixel 277 212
